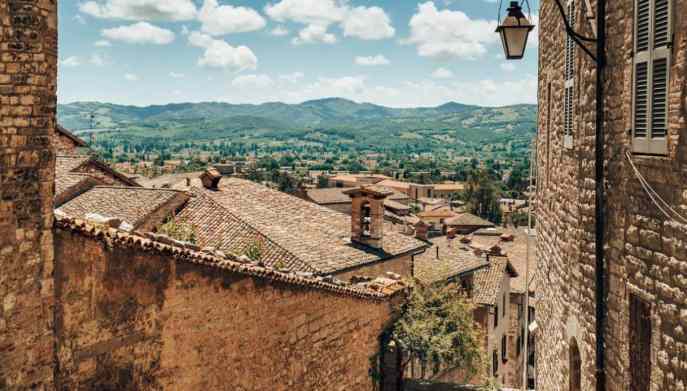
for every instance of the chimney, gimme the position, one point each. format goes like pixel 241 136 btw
pixel 421 230
pixel 210 179
pixel 367 214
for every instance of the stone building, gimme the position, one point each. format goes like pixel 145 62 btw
pixel 645 245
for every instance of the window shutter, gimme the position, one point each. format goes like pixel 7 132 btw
pixel 569 92
pixel 653 36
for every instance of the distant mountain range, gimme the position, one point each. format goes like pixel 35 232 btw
pixel 310 114
pixel 323 120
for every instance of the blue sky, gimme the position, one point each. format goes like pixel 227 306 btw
pixel 399 53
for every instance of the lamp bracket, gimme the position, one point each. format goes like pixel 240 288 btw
pixel 575 36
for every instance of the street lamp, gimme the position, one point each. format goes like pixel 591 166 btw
pixel 514 31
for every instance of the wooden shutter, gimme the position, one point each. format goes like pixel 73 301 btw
pixel 653 41
pixel 569 93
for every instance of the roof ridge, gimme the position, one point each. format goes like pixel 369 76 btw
pixel 116 237
pixel 135 187
pixel 266 237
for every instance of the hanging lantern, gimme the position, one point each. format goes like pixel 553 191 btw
pixel 514 31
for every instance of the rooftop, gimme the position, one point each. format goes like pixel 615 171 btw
pixel 454 259
pixel 132 205
pixel 468 219
pixel 316 235
pixel 337 195
pixel 377 290
pixel 487 283
pixel 516 251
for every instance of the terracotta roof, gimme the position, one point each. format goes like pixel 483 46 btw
pixel 130 204
pixel 70 185
pixel 65 164
pixel 487 282
pixel 216 227
pixel 516 251
pixel 377 290
pixel 168 180
pixel 395 184
pixel 76 139
pixel 336 195
pixel 468 219
pixel 443 211
pixel 331 195
pixel 395 205
pixel 454 259
pixel 314 234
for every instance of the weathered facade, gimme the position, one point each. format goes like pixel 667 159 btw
pixel 135 314
pixel 28 82
pixel 645 248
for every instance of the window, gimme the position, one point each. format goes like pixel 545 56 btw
pixel 569 91
pixel 495 363
pixel 503 313
pixel 652 48
pixel 575 363
pixel 640 348
pixel 496 317
pixel 504 352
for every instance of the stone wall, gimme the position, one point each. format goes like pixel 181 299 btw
pixel 401 265
pixel 28 66
pixel 130 319
pixel 646 252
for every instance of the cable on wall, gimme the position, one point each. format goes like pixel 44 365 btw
pixel 660 203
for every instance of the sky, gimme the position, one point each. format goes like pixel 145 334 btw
pixel 398 53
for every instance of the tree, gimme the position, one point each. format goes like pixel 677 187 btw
pixel 322 182
pixel 482 196
pixel 438 329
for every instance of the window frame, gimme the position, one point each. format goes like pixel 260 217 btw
pixel 569 81
pixel 648 144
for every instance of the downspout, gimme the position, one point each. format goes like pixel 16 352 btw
pixel 600 220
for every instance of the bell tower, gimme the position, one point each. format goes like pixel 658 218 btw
pixel 367 214
pixel 28 84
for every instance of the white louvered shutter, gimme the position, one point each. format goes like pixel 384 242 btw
pixel 653 41
pixel 569 93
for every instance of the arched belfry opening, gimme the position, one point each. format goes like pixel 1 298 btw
pixel 575 362
pixel 367 215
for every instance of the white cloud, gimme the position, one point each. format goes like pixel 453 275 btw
pixel 98 59
pixel 449 34
pixel 131 77
pixel 72 61
pixel 314 33
pixel 368 23
pixel 220 54
pixel 508 66
pixel 292 77
pixel 372 60
pixel 322 12
pixel 102 43
pixel 360 22
pixel 442 73
pixel 279 31
pixel 175 75
pixel 140 9
pixel 140 33
pixel 79 19
pixel 227 19
pixel 252 81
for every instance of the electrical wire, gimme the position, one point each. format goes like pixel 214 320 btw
pixel 656 198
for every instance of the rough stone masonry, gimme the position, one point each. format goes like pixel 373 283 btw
pixel 28 80
pixel 646 252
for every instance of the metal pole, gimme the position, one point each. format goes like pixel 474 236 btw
pixel 600 199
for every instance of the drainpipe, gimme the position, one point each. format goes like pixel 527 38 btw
pixel 600 199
